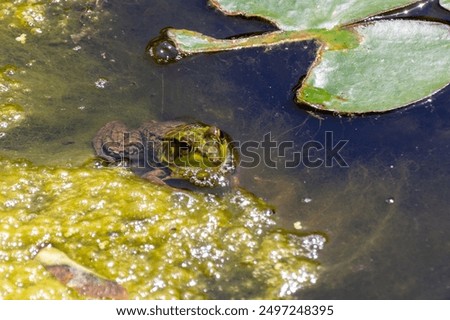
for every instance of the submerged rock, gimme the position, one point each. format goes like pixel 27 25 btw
pixel 77 277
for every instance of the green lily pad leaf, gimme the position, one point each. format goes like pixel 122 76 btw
pixel 445 4
pixel 298 20
pixel 308 14
pixel 361 66
pixel 397 63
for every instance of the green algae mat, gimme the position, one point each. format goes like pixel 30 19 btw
pixel 157 242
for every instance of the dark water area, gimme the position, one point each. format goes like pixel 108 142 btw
pixel 385 214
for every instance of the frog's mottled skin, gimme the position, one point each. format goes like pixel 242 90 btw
pixel 157 151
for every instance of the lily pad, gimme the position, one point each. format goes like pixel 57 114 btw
pixel 397 63
pixel 190 42
pixel 361 66
pixel 307 14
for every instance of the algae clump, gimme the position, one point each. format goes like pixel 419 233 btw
pixel 45 16
pixel 10 116
pixel 157 242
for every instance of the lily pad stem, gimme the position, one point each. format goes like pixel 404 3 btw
pixel 190 42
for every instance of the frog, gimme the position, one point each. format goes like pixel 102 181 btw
pixel 202 154
pixel 164 151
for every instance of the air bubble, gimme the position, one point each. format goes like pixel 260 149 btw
pixel 101 83
pixel 163 51
pixel 390 200
pixel 306 200
pixel 182 200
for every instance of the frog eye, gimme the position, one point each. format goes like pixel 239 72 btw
pixel 213 131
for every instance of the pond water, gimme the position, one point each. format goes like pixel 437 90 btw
pixel 385 214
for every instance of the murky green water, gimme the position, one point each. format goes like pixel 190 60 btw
pixel 385 215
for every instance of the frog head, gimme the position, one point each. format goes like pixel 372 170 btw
pixel 201 153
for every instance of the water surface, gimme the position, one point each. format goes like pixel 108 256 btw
pixel 386 214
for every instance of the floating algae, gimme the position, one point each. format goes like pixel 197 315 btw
pixel 46 16
pixel 10 116
pixel 53 75
pixel 155 241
